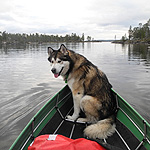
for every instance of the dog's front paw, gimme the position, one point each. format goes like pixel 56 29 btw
pixel 70 117
pixel 82 120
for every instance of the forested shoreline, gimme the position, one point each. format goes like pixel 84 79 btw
pixel 11 38
pixel 139 34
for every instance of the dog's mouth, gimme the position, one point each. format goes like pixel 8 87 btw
pixel 56 75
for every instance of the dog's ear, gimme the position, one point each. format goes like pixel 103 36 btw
pixel 50 50
pixel 63 49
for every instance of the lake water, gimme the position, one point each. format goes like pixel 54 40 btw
pixel 26 82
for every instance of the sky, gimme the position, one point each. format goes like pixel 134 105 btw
pixel 100 19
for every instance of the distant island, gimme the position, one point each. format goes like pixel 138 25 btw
pixel 140 34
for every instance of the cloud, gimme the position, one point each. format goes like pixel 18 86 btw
pixel 5 6
pixel 97 18
pixel 118 12
pixel 6 17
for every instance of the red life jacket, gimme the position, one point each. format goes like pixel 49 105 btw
pixel 59 142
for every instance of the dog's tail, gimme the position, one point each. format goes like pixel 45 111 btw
pixel 102 129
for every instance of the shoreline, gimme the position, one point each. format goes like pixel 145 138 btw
pixel 131 42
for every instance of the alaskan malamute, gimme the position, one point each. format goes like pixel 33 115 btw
pixel 90 88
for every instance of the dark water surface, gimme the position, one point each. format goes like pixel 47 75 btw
pixel 26 82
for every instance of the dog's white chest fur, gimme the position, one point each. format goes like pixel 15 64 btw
pixel 70 83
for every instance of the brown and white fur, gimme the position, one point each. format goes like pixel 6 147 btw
pixel 90 88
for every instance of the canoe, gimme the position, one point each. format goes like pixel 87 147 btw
pixel 132 130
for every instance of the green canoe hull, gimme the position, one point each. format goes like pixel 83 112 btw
pixel 137 125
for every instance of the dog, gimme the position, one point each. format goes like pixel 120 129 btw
pixel 90 88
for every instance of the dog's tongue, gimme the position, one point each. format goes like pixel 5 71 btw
pixel 56 75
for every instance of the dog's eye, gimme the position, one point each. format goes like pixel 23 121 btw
pixel 59 61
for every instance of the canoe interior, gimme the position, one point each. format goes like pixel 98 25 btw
pixel 132 131
pixel 74 130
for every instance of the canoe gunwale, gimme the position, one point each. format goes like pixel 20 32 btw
pixel 145 139
pixel 145 126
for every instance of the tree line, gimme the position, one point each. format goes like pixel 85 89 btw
pixel 140 33
pixel 40 38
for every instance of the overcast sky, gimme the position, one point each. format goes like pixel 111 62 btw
pixel 100 19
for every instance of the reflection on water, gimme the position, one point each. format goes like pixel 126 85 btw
pixel 140 53
pixel 26 81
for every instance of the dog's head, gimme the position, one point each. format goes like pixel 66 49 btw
pixel 59 60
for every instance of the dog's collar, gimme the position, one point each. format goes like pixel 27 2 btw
pixel 66 79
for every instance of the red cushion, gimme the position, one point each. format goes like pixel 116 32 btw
pixel 63 143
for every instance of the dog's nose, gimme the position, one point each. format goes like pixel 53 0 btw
pixel 53 70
